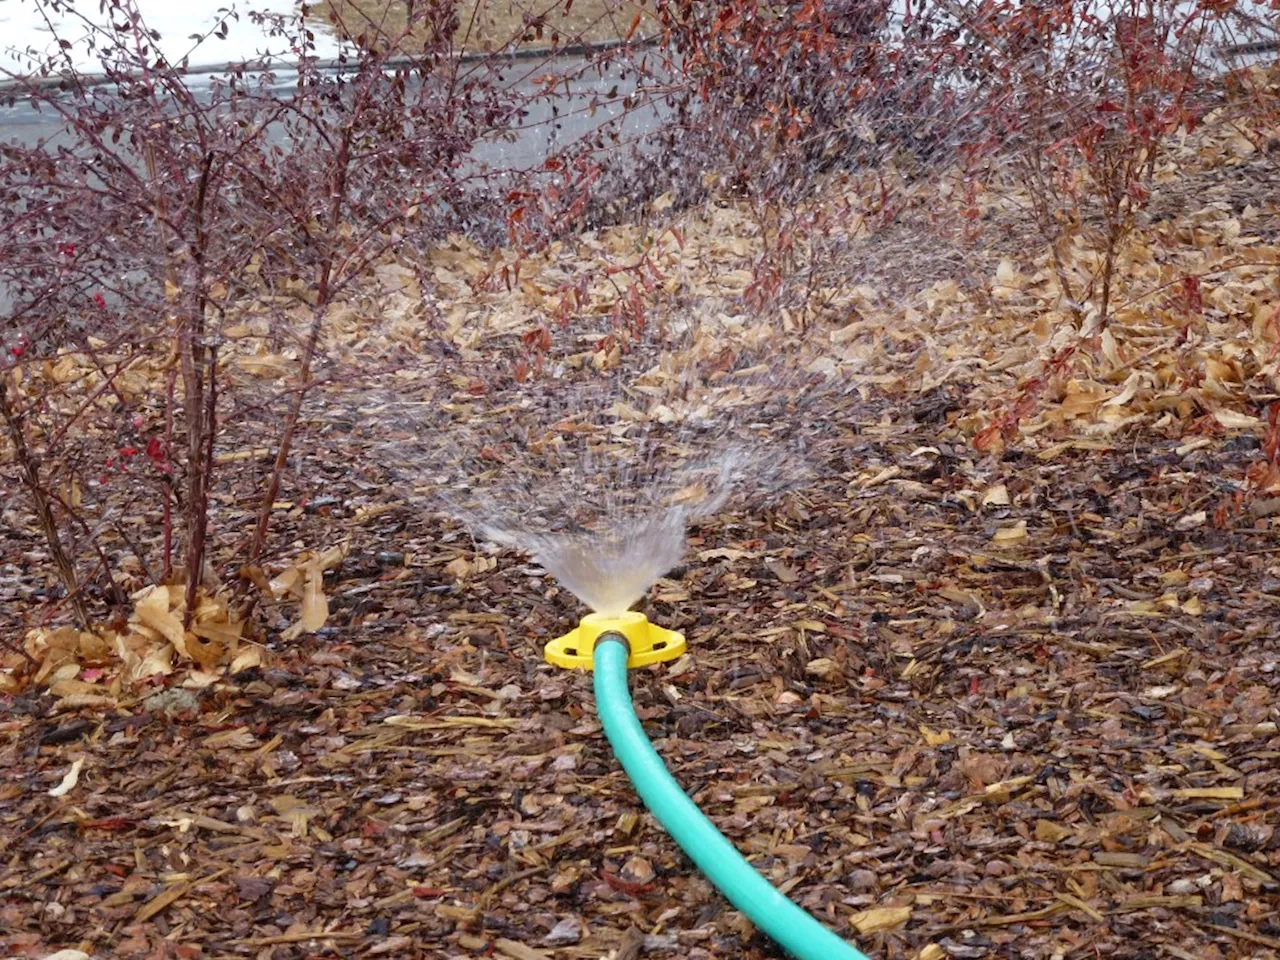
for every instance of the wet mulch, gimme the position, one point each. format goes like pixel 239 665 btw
pixel 970 708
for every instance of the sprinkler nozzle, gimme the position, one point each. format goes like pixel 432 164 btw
pixel 646 642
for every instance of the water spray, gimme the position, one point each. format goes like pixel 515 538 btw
pixel 611 644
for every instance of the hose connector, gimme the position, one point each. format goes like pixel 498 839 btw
pixel 646 642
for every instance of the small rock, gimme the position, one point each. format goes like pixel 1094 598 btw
pixel 419 858
pixel 172 702
pixel 997 868
pixel 568 930
pixel 637 870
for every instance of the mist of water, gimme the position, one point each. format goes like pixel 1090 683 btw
pixel 608 570
pixel 622 549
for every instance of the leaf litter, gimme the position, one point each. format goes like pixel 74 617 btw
pixel 1017 701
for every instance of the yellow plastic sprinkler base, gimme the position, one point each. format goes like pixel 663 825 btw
pixel 649 643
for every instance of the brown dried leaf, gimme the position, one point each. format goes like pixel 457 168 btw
pixel 315 606
pixel 880 918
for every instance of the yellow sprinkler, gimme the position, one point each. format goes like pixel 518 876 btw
pixel 647 642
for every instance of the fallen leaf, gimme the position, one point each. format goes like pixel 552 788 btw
pixel 1233 420
pixel 1047 831
pixel 996 496
pixel 784 573
pixel 1008 536
pixel 1192 520
pixel 151 608
pixel 315 606
pixel 880 918
pixel 823 667
pixel 246 659
pixel 934 738
pixel 69 781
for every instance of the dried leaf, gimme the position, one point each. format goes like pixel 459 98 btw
pixel 934 739
pixel 69 780
pixel 1049 832
pixel 1233 420
pixel 459 568
pixel 151 608
pixel 315 606
pixel 1010 536
pixel 246 659
pixel 784 573
pixel 823 668
pixel 880 918
pixel 996 496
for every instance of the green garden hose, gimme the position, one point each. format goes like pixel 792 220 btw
pixel 796 931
